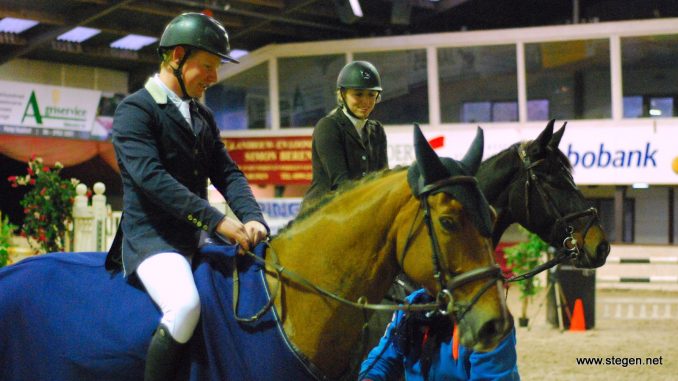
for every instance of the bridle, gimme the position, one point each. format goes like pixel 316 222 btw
pixel 449 281
pixel 563 223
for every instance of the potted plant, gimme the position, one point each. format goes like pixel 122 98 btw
pixel 6 234
pixel 521 258
pixel 48 206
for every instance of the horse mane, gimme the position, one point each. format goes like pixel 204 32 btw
pixel 560 156
pixel 315 205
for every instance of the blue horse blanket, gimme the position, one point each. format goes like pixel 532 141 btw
pixel 64 317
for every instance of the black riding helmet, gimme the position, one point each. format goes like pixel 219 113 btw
pixel 360 75
pixel 195 31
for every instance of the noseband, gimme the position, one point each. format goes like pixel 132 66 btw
pixel 562 222
pixel 449 281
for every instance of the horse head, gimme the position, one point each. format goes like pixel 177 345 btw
pixel 454 258
pixel 543 197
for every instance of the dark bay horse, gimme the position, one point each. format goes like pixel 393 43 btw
pixel 430 221
pixel 531 183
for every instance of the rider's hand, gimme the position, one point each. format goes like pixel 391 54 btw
pixel 236 232
pixel 256 232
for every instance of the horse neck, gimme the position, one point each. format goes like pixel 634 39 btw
pixel 495 176
pixel 346 247
pixel 346 241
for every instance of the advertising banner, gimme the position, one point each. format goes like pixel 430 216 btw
pixel 42 110
pixel 273 160
pixel 641 152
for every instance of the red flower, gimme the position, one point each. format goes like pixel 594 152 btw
pixel 26 210
pixel 30 171
pixel 43 191
pixel 33 157
pixel 14 185
pixel 42 237
pixel 32 182
pixel 11 178
pixel 45 169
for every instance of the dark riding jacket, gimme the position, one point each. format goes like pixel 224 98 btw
pixel 338 154
pixel 164 164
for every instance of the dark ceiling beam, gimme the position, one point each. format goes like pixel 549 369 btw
pixel 43 38
pixel 155 9
pixel 51 19
pixel 171 12
pixel 264 16
pixel 104 52
pixel 279 4
pixel 444 5
pixel 42 17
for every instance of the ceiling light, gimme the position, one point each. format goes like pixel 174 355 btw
pixel 355 7
pixel 133 42
pixel 237 53
pixel 79 34
pixel 640 185
pixel 14 25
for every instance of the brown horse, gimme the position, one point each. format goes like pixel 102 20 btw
pixel 355 242
pixel 531 183
pixel 66 318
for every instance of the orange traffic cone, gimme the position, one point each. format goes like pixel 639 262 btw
pixel 578 321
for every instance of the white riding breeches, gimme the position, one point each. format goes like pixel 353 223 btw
pixel 168 279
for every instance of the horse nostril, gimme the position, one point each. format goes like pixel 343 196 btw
pixel 492 330
pixel 603 250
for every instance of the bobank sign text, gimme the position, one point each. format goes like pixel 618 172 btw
pixel 603 157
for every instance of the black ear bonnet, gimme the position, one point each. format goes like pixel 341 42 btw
pixel 429 168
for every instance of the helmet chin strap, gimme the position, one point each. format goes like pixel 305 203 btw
pixel 179 75
pixel 345 105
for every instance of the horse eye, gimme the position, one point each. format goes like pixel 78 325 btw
pixel 448 223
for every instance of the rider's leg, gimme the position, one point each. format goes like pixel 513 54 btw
pixel 168 279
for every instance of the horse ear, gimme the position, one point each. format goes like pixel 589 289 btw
pixel 555 139
pixel 474 155
pixel 430 166
pixel 545 137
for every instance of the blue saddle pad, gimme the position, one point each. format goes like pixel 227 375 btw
pixel 64 317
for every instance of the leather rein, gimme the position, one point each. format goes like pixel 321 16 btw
pixel 447 281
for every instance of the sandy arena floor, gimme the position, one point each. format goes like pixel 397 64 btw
pixel 546 353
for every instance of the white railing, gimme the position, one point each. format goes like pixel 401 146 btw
pixel 94 224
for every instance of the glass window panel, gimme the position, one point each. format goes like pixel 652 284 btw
pixel 661 107
pixel 403 77
pixel 633 106
pixel 573 76
pixel 476 112
pixel 649 70
pixel 477 74
pixel 537 109
pixel 307 88
pixel 505 111
pixel 241 102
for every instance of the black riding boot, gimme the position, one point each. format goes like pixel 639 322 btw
pixel 163 356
